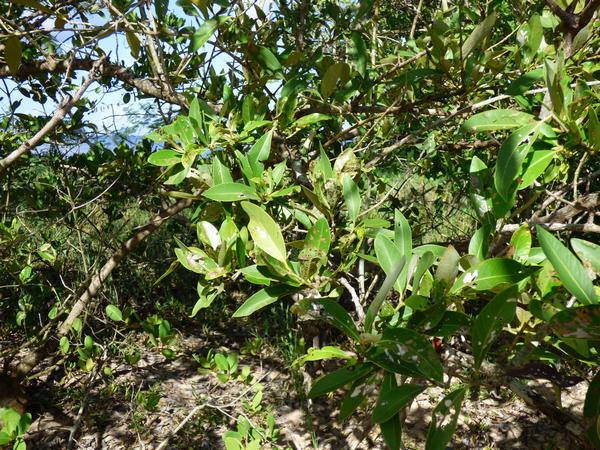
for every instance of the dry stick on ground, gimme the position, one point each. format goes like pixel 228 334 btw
pixel 29 362
pixel 57 118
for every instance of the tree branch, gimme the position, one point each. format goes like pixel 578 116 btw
pixel 57 118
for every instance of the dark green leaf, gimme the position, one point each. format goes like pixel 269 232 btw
pixel 499 312
pixel 478 35
pixel 263 298
pixel 392 401
pixel 567 266
pixel 339 378
pixel 444 419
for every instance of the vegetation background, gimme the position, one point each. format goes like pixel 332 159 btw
pixel 299 224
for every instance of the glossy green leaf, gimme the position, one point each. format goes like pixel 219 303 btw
pixel 351 197
pixel 388 255
pixel 165 157
pixel 268 59
pixel 339 378
pixel 479 242
pixel 394 400
pixel 204 32
pixel 520 243
pixel 231 192
pixel 403 241
pixel 309 119
pixel 568 267
pixel 497 119
pixel 260 152
pixel 448 266
pixel 478 35
pixel 319 354
pixel 510 157
pixel 499 312
pixel 390 278
pixel 262 298
pixel 208 234
pixel 587 252
pixel 534 165
pixel 391 429
pixel 220 172
pixel 114 313
pixel 402 344
pixel 336 315
pixel 494 272
pixel 444 420
pixel 265 232
pixel 424 263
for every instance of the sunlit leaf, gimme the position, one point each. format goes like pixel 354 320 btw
pixel 265 232
pixel 568 267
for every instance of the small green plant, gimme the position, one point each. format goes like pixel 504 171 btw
pixel 13 428
pixel 223 365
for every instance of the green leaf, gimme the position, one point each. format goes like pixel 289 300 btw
pixel 268 59
pixel 351 197
pixel 478 35
pixel 265 232
pixel 444 419
pixel 499 312
pixel 203 34
pixel 134 43
pixel 341 377
pixel 403 241
pixel 384 290
pixel 325 165
pixel 260 152
pixel 309 119
pixel 525 82
pixel 535 164
pixel 253 275
pixel 263 298
pixel 393 401
pixel 402 344
pixel 510 157
pixel 447 268
pixel 391 429
pixel 497 119
pixel 494 272
pixel 315 251
pixel 388 255
pixel 338 71
pixel 220 172
pixel 587 251
pixel 478 245
pixel 591 407
pixel 534 35
pixel 114 313
pixel 327 352
pixel 13 53
pixel 593 129
pixel 567 266
pixel 230 192
pixel 336 315
pixel 208 234
pixel 520 243
pixel 361 53
pixel 165 158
